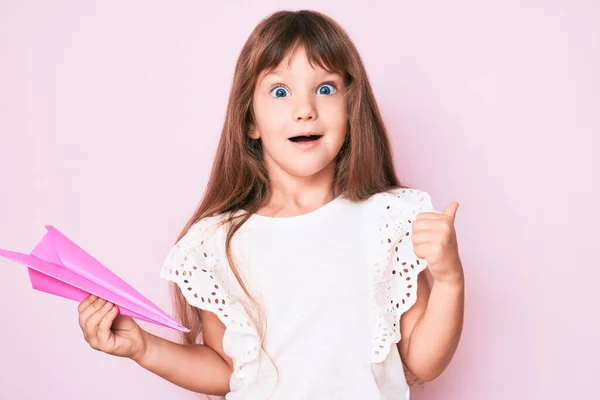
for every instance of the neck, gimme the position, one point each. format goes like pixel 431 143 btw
pixel 293 195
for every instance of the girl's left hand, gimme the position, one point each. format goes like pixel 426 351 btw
pixel 434 239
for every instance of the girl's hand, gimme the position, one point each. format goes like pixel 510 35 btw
pixel 434 239
pixel 107 331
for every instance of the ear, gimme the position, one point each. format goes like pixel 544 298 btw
pixel 253 133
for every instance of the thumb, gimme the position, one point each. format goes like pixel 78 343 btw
pixel 450 210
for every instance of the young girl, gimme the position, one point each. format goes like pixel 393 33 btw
pixel 299 272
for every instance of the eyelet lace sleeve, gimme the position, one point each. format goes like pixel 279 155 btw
pixel 197 265
pixel 396 266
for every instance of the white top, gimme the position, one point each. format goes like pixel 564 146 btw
pixel 332 283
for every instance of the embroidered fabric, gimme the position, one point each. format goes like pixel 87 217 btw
pixel 396 266
pixel 197 265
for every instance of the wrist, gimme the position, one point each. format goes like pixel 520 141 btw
pixel 450 273
pixel 456 279
pixel 146 343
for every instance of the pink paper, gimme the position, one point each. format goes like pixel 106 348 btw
pixel 58 266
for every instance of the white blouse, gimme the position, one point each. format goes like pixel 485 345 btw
pixel 332 284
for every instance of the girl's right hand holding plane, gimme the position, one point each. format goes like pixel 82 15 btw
pixel 107 331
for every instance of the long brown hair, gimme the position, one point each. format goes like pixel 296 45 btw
pixel 239 180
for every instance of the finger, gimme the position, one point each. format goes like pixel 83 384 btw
pixel 104 332
pixel 86 302
pixel 92 322
pixel 93 327
pixel 425 250
pixel 430 215
pixel 88 311
pixel 431 225
pixel 422 237
pixel 450 210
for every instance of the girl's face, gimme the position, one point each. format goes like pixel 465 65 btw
pixel 301 118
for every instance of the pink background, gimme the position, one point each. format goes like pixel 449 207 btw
pixel 110 114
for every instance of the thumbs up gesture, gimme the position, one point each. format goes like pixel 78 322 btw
pixel 434 239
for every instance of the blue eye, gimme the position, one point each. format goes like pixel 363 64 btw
pixel 325 90
pixel 279 91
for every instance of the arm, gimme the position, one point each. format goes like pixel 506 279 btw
pixel 431 328
pixel 194 367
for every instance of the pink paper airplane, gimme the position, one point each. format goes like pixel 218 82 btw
pixel 58 266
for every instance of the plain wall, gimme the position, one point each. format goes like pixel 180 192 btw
pixel 110 113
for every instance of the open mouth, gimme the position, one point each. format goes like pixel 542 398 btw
pixel 309 138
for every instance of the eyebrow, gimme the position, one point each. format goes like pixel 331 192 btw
pixel 279 73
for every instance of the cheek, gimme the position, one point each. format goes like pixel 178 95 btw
pixel 337 119
pixel 271 118
pixel 335 111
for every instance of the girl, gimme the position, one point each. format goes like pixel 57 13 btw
pixel 299 272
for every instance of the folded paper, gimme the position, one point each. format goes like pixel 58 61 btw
pixel 59 267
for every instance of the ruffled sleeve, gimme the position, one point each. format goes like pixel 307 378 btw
pixel 396 266
pixel 197 265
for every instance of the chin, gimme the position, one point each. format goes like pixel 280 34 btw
pixel 307 170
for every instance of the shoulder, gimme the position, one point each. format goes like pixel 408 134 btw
pixel 400 200
pixel 206 229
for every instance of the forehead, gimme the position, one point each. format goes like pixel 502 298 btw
pixel 297 62
pixel 284 72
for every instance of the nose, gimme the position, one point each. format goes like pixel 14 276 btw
pixel 305 110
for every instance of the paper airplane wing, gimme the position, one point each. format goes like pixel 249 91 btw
pixel 60 267
pixel 45 283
